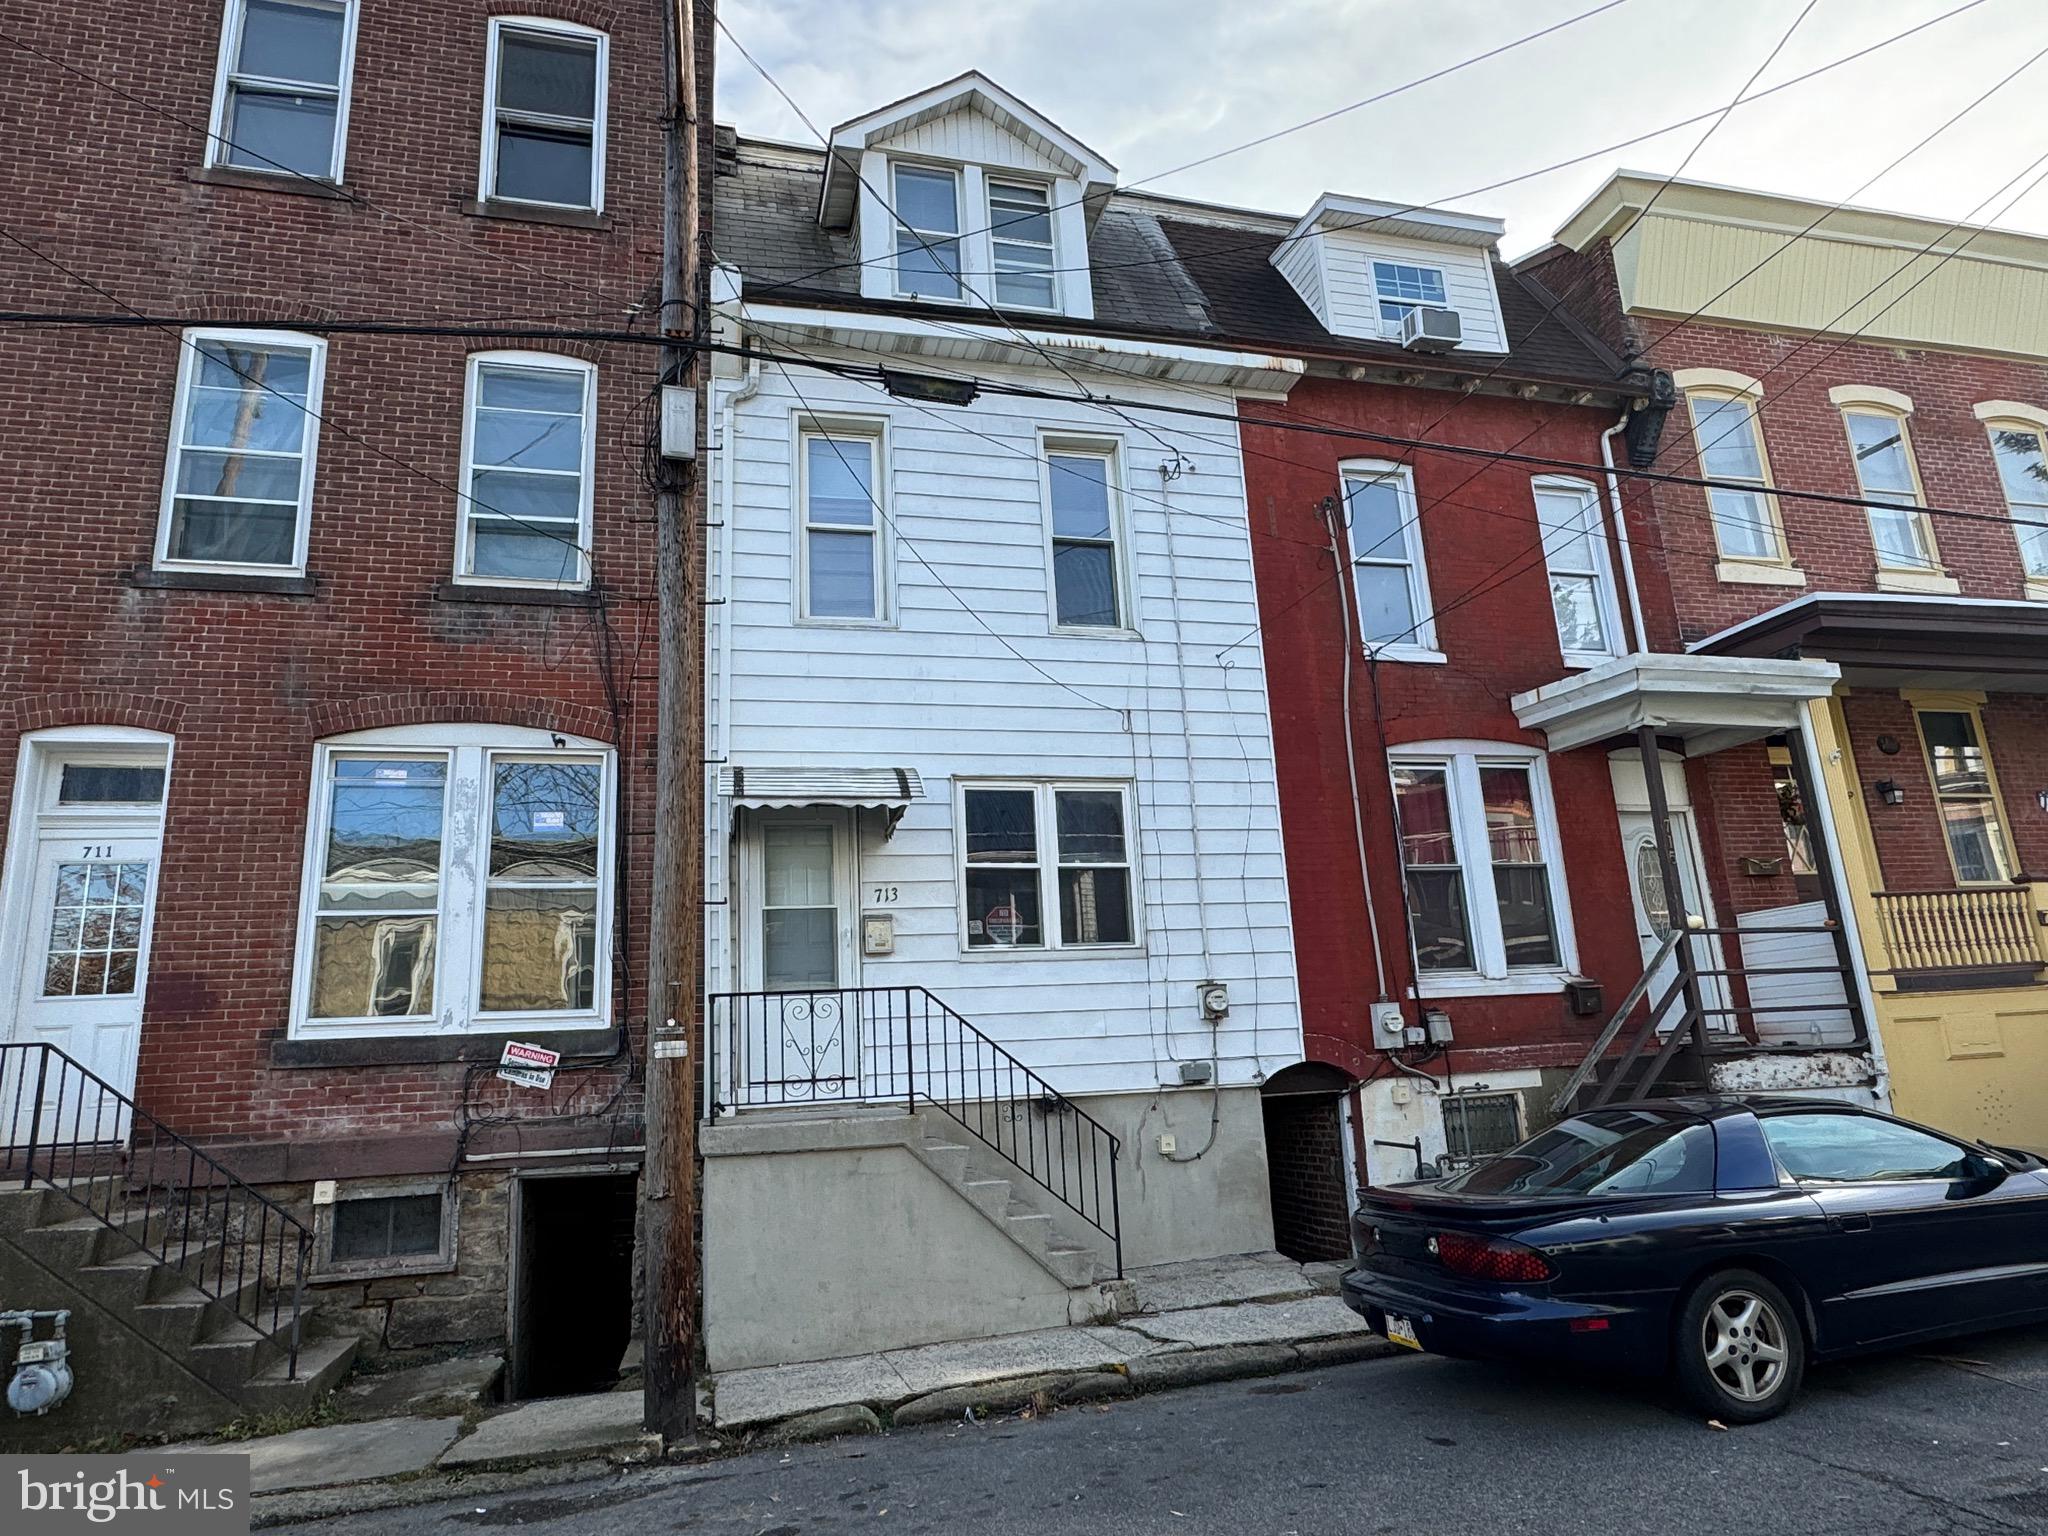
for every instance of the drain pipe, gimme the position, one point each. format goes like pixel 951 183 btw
pixel 1628 559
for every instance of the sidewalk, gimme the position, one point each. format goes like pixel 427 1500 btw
pixel 1253 1315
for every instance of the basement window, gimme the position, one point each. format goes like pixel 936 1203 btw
pixel 1478 1126
pixel 385 1229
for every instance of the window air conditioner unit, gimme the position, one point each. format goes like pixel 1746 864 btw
pixel 1430 330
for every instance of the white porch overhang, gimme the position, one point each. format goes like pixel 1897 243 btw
pixel 1708 702
pixel 800 328
pixel 762 789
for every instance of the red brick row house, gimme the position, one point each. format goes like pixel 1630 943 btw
pixel 325 722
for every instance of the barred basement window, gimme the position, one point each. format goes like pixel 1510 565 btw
pixel 395 1227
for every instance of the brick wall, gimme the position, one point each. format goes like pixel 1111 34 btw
pixel 1305 1160
pixel 1479 530
pixel 248 682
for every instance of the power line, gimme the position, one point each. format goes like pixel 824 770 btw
pixel 1268 245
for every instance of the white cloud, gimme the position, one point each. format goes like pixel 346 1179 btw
pixel 1154 84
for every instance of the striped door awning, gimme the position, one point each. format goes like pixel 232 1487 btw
pixel 776 788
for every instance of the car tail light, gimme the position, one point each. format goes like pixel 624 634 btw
pixel 1489 1258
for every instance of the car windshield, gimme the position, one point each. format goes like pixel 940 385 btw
pixel 1605 1152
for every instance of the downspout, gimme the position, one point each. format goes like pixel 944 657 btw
pixel 1628 559
pixel 720 686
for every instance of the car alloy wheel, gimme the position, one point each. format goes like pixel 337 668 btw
pixel 1743 1339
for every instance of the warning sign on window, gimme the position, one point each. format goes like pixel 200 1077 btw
pixel 1003 925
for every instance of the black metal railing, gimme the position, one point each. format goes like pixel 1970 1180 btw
pixel 79 1135
pixel 891 1045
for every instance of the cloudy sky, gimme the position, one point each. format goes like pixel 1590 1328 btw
pixel 1154 84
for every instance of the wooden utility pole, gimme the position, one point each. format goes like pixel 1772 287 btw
pixel 668 1181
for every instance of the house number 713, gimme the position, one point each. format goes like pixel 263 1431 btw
pixel 884 894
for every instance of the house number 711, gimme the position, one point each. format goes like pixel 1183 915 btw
pixel 98 851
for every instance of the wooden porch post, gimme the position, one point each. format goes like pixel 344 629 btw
pixel 1674 889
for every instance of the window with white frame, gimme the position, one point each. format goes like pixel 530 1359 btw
pixel 1085 498
pixel 927 207
pixel 1401 287
pixel 238 490
pixel 1581 580
pixel 544 114
pixel 280 99
pixel 1891 490
pixel 1020 241
pixel 1022 844
pixel 1725 433
pixel 839 543
pixel 409 827
pixel 2018 447
pixel 527 447
pixel 1479 850
pixel 1387 570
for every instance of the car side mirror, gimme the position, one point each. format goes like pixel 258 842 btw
pixel 1979 1168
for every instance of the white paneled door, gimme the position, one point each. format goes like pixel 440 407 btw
pixel 802 1034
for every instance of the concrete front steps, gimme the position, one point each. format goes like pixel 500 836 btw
pixel 153 1352
pixel 1023 1210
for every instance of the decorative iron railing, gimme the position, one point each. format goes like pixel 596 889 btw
pixel 882 1045
pixel 1982 928
pixel 84 1138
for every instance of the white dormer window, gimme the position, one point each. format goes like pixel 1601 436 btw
pixel 927 201
pixel 1401 288
pixel 1020 238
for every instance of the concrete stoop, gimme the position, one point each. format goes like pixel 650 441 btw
pixel 146 1341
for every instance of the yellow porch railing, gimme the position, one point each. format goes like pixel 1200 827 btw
pixel 1990 927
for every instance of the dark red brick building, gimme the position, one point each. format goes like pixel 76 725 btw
pixel 325 696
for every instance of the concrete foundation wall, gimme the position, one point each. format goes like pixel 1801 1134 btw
pixel 825 1238
pixel 1203 1209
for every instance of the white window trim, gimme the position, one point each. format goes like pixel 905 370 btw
pixel 1111 448
pixel 585 501
pixel 188 368
pixel 1493 977
pixel 458 938
pixel 1043 805
pixel 1869 400
pixel 2017 416
pixel 217 125
pixel 989 182
pixel 1391 329
pixel 961 238
pixel 874 431
pixel 1716 384
pixel 1594 525
pixel 1421 643
pixel 487 159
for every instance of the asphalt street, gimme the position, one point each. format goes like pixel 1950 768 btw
pixel 1953 1439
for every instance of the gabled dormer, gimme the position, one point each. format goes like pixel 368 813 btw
pixel 964 195
pixel 1367 268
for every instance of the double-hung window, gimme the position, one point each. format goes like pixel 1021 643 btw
pixel 2020 449
pixel 1401 287
pixel 1965 796
pixel 238 491
pixel 1891 490
pixel 1485 887
pixel 839 543
pixel 544 114
pixel 1025 844
pixel 1020 241
pixel 280 99
pixel 528 450
pixel 1730 451
pixel 1082 489
pixel 927 206
pixel 1581 580
pixel 1388 576
pixel 456 877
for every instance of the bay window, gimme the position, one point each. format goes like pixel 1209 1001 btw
pixel 1479 854
pixel 457 877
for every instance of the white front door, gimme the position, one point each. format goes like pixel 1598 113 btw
pixel 80 899
pixel 1653 910
pixel 799 1034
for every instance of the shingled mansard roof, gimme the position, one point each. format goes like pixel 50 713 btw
pixel 1162 269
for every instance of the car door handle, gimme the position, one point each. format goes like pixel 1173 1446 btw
pixel 1854 1221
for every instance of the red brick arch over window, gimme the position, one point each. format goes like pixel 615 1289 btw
pixel 587 13
pixel 467 706
pixel 93 706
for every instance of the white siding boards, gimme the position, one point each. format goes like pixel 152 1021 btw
pixel 1144 705
pixel 1437 256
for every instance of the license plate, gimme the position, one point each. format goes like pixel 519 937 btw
pixel 1401 1331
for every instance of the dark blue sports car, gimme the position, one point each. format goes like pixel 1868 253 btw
pixel 1724 1241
